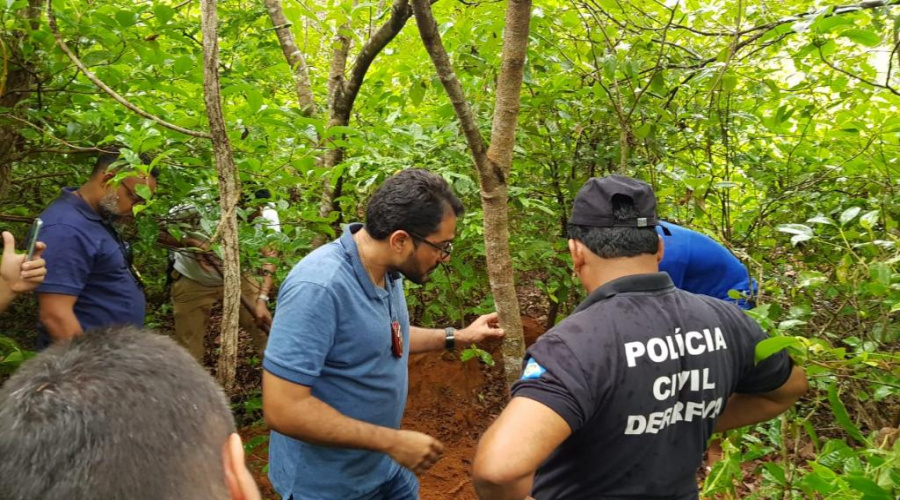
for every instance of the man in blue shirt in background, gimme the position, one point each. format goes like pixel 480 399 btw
pixel 698 264
pixel 335 380
pixel 90 282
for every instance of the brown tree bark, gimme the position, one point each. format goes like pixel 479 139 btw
pixel 493 164
pixel 229 191
pixel 294 57
pixel 18 77
pixel 342 87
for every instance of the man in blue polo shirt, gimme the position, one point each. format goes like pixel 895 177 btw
pixel 698 264
pixel 90 281
pixel 335 379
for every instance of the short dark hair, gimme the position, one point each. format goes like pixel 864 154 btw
pixel 413 200
pixel 615 242
pixel 117 413
pixel 111 154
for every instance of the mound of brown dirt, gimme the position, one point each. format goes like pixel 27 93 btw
pixel 453 401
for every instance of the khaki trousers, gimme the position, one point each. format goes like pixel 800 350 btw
pixel 192 304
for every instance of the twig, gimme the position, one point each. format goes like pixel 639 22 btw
pixel 51 20
pixel 75 148
pixel 855 76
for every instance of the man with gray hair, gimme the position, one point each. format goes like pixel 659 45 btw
pixel 121 414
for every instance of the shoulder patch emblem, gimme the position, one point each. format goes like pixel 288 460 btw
pixel 533 370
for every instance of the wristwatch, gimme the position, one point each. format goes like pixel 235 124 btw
pixel 264 298
pixel 449 338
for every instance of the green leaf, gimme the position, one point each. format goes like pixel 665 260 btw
pixel 800 232
pixel 143 191
pixel 776 471
pixel 799 229
pixel 809 279
pixel 729 81
pixel 658 83
pixel 417 92
pixel 643 131
pixel 125 18
pixel 163 13
pixel 790 323
pixel 821 219
pixel 824 25
pixel 183 64
pixel 254 100
pixel 841 415
pixel 869 219
pixel 881 273
pixel 868 488
pixel 849 214
pixel 865 37
pixel 772 345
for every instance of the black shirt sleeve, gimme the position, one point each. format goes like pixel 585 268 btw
pixel 770 373
pixel 553 377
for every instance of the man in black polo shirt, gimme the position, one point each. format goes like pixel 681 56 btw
pixel 619 400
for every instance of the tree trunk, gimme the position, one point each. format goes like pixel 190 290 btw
pixel 228 195
pixel 343 89
pixel 14 88
pixel 494 164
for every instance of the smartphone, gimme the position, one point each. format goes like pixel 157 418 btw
pixel 32 240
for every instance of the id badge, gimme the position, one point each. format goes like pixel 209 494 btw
pixel 396 339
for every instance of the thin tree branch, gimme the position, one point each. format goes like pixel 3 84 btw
pixel 51 19
pixel 444 68
pixel 294 57
pixel 656 69
pixel 855 76
pixel 42 131
pixel 400 13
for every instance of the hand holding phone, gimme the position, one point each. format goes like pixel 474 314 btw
pixel 17 273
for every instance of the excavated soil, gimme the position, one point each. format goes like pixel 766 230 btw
pixel 451 400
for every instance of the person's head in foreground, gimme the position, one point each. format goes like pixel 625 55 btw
pixel 414 213
pixel 115 414
pixel 619 399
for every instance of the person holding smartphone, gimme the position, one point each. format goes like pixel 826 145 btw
pixel 20 273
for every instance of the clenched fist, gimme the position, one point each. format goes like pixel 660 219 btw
pixel 415 451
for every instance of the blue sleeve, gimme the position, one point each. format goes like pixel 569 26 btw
pixel 70 257
pixel 302 332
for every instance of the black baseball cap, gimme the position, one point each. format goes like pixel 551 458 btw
pixel 593 205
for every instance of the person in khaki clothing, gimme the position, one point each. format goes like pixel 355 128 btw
pixel 198 284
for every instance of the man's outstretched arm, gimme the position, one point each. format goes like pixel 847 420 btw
pixel 509 453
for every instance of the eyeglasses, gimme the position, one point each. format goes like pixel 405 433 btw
pixel 445 248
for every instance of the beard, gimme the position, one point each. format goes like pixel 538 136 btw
pixel 412 270
pixel 109 208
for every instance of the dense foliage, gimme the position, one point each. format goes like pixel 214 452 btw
pixel 772 126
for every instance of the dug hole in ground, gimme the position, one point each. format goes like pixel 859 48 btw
pixel 453 401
